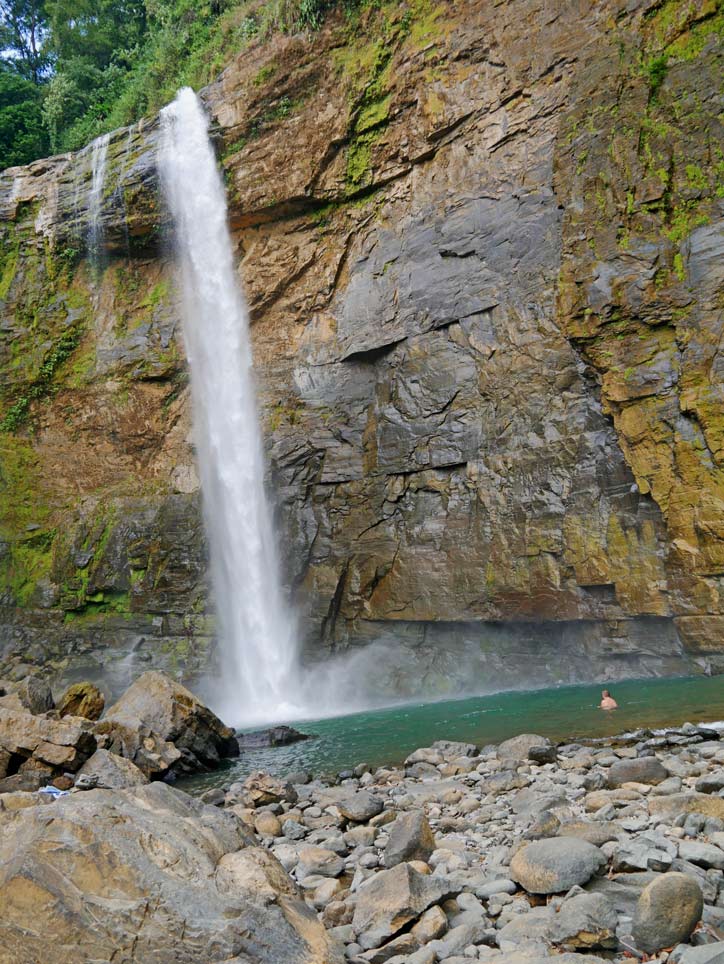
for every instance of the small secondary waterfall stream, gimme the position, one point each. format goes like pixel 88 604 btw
pixel 99 157
pixel 259 677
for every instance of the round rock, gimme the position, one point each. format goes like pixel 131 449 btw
pixel 645 769
pixel 517 749
pixel 667 912
pixel 267 824
pixel 556 864
pixel 360 807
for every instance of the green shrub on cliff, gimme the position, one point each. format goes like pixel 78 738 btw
pixel 100 64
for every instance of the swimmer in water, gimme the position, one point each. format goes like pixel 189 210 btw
pixel 607 701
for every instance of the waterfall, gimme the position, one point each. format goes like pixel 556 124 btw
pixel 257 634
pixel 99 157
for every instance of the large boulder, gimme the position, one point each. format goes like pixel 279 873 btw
pixel 585 921
pixel 37 743
pixel 360 807
pixel 155 757
pixel 645 769
pixel 262 790
pixel 517 748
pixel 110 772
pixel 667 912
pixel 411 838
pixel 148 874
pixel 674 804
pixel 273 736
pixel 390 900
pixel 157 706
pixel 82 699
pixel 31 695
pixel 555 864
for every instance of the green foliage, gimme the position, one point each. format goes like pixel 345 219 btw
pixel 655 69
pixel 94 44
pixel 24 520
pixel 22 134
pixel 101 64
pixel 23 24
pixel 41 385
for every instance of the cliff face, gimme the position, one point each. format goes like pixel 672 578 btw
pixel 482 245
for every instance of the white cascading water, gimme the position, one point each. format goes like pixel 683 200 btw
pixel 99 157
pixel 259 673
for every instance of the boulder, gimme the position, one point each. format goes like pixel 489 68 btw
pixel 711 782
pixel 152 755
pixel 547 824
pixel 555 864
pixel 595 833
pixel 110 772
pixel 645 769
pixel 585 921
pixel 360 807
pixel 451 749
pixel 267 824
pixel 670 807
pixel 262 790
pixel 518 748
pixel 25 782
pixel 165 881
pixel 318 862
pixel 274 736
pixel 41 744
pixel 30 695
pixel 399 948
pixel 503 781
pixel 82 699
pixel 531 801
pixel 391 899
pixel 531 927
pixel 21 799
pixel 704 855
pixel 159 706
pixel 431 925
pixel 410 839
pixel 706 954
pixel 667 912
pixel 545 753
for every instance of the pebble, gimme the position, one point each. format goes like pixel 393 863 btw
pixel 476 837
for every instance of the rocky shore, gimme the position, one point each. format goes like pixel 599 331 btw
pixel 512 854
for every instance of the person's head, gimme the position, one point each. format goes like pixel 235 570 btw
pixel 606 695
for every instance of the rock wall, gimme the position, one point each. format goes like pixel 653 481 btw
pixel 482 249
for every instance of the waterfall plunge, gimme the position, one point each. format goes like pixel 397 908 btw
pixel 256 629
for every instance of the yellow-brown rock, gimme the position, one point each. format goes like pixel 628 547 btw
pixel 165 879
pixel 82 699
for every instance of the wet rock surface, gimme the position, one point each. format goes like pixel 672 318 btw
pixel 274 736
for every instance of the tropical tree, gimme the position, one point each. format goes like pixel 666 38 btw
pixel 23 31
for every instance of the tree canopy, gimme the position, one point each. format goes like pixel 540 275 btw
pixel 73 69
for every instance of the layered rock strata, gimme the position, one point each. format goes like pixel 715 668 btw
pixel 482 248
